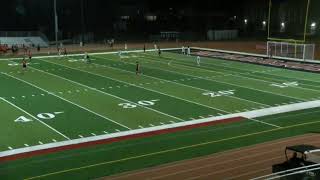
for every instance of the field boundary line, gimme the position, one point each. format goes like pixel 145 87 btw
pixel 175 97
pixel 180 84
pixel 67 101
pixel 263 122
pixel 180 61
pixel 256 78
pixel 248 115
pixel 43 123
pixel 209 58
pixel 105 93
pixel 172 150
pixel 97 53
pixel 254 54
pixel 213 80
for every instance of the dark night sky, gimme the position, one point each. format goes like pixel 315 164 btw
pixel 34 13
pixel 102 15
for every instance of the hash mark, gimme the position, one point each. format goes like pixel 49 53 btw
pixel 40 142
pixel 10 148
pixel 54 140
pixel 93 134
pixel 81 136
pixel 27 145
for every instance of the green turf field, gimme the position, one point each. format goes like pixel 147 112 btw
pixel 65 98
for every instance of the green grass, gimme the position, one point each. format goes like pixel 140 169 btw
pixel 66 98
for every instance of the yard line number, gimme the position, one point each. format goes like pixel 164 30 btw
pixel 219 93
pixel 44 116
pixel 142 103
pixel 285 85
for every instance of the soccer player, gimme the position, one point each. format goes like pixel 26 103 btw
pixel 120 54
pixel 198 60
pixel 24 63
pixel 144 48
pixel 65 52
pixel 125 47
pixel 87 58
pixel 183 50
pixel 137 68
pixel 189 51
pixel 29 55
pixel 59 51
pixel 155 46
pixel 159 52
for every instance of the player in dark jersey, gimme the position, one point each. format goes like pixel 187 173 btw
pixel 137 68
pixel 159 51
pixel 30 55
pixel 65 53
pixel 144 48
pixel 24 63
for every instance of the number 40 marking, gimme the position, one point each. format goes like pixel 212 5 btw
pixel 44 116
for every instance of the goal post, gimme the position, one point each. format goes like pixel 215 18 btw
pixel 293 50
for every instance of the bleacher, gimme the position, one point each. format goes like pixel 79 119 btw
pixel 20 38
pixel 27 41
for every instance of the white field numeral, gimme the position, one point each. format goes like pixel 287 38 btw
pixel 22 119
pixel 285 85
pixel 219 93
pixel 142 103
pixel 44 116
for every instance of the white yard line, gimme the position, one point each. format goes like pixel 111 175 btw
pixel 230 84
pixel 262 122
pixel 68 101
pixel 140 87
pixel 105 93
pixel 53 129
pixel 193 87
pixel 249 115
pixel 239 74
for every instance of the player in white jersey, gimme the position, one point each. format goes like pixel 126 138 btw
pixel 189 51
pixel 120 54
pixel 125 47
pixel 198 60
pixel 183 50
pixel 155 46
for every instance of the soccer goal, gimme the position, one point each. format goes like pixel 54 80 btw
pixel 291 50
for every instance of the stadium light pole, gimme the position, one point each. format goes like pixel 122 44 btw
pixel 56 29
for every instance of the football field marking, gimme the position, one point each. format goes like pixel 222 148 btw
pixel 183 66
pixel 262 122
pixel 53 129
pixel 172 81
pixel 88 72
pixel 83 85
pixel 171 150
pixel 239 74
pixel 213 80
pixel 262 72
pixel 67 101
pixel 141 88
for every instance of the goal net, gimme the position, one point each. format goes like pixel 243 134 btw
pixel 290 50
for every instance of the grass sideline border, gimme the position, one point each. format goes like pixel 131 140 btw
pixel 117 139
